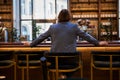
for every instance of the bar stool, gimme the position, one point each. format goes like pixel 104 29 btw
pixel 28 60
pixel 63 62
pixel 7 61
pixel 105 61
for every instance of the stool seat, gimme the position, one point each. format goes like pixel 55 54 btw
pixel 31 63
pixel 64 67
pixel 115 64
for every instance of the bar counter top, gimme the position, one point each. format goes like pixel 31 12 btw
pixel 48 44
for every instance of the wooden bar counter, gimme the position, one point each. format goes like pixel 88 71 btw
pixel 84 47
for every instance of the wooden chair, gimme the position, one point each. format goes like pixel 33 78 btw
pixel 7 61
pixel 28 60
pixel 105 61
pixel 63 62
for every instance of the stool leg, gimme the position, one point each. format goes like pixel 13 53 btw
pixel 27 74
pixel 111 72
pixel 53 76
pixel 48 75
pixel 119 74
pixel 15 72
pixel 81 72
pixel 23 74
pixel 111 76
pixel 27 56
pixel 91 73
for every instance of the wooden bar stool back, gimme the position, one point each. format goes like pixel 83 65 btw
pixel 63 62
pixel 28 60
pixel 7 61
pixel 105 61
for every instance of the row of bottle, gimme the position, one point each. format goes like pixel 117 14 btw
pixel 84 7
pixel 7 24
pixel 108 6
pixel 92 0
pixel 108 33
pixel 95 16
pixel 93 7
pixel 5 16
pixel 5 1
pixel 84 0
pixel 5 8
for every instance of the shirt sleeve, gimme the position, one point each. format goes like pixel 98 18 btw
pixel 41 38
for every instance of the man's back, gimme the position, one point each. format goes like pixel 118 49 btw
pixel 63 37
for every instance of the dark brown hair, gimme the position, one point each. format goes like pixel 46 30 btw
pixel 64 16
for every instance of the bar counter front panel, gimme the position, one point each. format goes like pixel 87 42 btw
pixel 84 48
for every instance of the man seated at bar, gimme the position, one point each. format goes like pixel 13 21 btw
pixel 64 34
